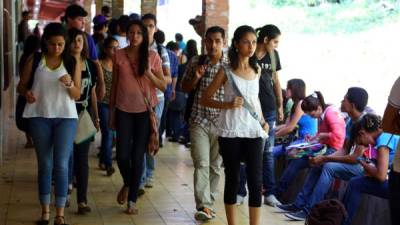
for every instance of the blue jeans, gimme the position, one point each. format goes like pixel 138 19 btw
pixel 319 179
pixel 291 171
pixel 106 135
pixel 149 161
pixel 53 139
pixel 362 185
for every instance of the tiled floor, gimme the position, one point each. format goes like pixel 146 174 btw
pixel 170 202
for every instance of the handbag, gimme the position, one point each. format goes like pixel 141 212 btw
pixel 154 144
pixel 86 129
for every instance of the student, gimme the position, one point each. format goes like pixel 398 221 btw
pixel 268 38
pixel 79 49
pixel 136 69
pixel 108 49
pixel 368 132
pixel 53 116
pixel 75 18
pixel 331 131
pixel 240 134
pixel 150 21
pixel 199 73
pixel 342 164
pixel 296 90
pixel 391 124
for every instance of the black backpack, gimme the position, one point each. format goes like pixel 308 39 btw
pixel 22 123
pixel 327 212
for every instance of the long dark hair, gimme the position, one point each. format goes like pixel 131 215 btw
pixel 298 90
pixel 72 34
pixel 31 45
pixel 57 29
pixel 233 55
pixel 144 46
pixel 191 49
pixel 270 31
pixel 311 102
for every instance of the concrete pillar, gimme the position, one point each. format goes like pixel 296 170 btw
pixel 87 6
pixel 216 13
pixel 117 8
pixel 149 6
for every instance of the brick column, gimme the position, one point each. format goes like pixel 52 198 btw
pixel 117 8
pixel 149 6
pixel 216 13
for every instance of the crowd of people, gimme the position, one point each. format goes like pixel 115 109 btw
pixel 226 106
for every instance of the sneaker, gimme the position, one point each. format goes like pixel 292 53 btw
pixel 297 216
pixel 149 183
pixel 286 208
pixel 271 200
pixel 203 214
pixel 84 209
pixel 239 199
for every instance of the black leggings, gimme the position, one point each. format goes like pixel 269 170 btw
pixel 81 169
pixel 234 151
pixel 132 139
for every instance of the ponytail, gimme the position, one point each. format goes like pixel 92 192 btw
pixel 311 102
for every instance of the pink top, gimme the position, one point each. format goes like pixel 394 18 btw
pixel 332 122
pixel 129 97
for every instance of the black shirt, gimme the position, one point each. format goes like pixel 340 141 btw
pixel 267 94
pixel 87 84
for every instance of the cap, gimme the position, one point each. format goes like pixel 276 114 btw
pixel 196 20
pixel 74 11
pixel 99 20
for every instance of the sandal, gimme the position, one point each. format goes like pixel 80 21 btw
pixel 122 195
pixel 43 221
pixel 132 209
pixel 61 218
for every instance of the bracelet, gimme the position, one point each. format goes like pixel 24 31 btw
pixel 71 85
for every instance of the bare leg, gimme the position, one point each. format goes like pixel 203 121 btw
pixel 255 215
pixel 231 214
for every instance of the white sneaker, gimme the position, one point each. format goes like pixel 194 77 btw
pixel 239 199
pixel 271 200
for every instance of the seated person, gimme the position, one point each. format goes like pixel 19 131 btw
pixel 341 164
pixel 331 132
pixel 296 90
pixel 368 132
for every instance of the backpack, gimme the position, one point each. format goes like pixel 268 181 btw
pixel 327 212
pixel 22 123
pixel 192 93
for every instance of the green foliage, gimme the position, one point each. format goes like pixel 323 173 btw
pixel 312 16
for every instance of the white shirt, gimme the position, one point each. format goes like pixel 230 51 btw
pixel 52 98
pixel 122 41
pixel 238 122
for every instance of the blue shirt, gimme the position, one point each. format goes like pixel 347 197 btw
pixel 387 140
pixel 91 47
pixel 307 126
pixel 173 61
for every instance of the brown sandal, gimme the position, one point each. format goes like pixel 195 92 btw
pixel 122 195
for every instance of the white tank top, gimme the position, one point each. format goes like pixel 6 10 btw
pixel 238 122
pixel 52 98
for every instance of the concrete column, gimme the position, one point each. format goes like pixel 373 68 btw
pixel 117 8
pixel 99 4
pixel 149 6
pixel 216 13
pixel 87 6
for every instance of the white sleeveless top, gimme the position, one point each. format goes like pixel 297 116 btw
pixel 52 98
pixel 238 122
